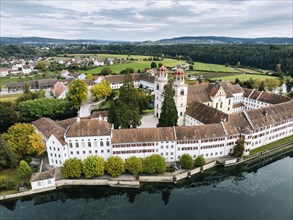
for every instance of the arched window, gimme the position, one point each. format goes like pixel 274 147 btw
pixel 182 92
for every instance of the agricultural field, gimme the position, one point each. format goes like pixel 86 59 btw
pixel 213 68
pixel 242 77
pixel 136 65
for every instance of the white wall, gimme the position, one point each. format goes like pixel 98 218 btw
pixel 43 183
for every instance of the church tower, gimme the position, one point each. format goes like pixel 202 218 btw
pixel 160 82
pixel 180 96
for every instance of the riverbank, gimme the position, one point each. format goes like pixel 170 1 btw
pixel 127 181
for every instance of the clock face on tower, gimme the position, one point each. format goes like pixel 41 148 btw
pixel 178 78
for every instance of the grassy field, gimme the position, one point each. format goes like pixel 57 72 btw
pixel 213 67
pixel 271 145
pixel 116 68
pixel 9 97
pixel 242 77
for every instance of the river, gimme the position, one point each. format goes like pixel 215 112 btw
pixel 260 189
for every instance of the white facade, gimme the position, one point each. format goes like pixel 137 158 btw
pixel 180 98
pixel 3 72
pixel 40 184
pixel 160 83
pixel 57 152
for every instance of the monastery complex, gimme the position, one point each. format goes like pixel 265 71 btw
pixel 212 117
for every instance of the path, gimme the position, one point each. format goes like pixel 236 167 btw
pixel 85 110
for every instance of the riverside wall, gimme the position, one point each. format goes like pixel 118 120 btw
pixel 141 179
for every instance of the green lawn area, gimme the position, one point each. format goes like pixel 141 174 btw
pixel 271 145
pixel 10 97
pixel 61 56
pixel 213 67
pixel 242 77
pixel 116 68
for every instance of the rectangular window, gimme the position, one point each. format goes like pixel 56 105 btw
pixel 108 143
pixel 101 143
pixel 77 144
pixel 89 144
pixel 90 151
pixel 83 152
pixel 39 183
pixel 71 152
pixel 102 151
pixel 96 151
pixel 70 145
pixel 77 152
pixel 108 151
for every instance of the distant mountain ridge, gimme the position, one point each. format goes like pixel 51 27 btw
pixel 50 41
pixel 170 41
pixel 225 40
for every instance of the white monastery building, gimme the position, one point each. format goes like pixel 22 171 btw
pixel 212 117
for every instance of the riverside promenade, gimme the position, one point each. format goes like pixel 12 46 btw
pixel 130 181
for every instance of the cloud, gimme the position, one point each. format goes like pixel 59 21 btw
pixel 145 20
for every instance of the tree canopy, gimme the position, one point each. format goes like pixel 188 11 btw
pixel 8 158
pixel 134 165
pixel 238 148
pixel 72 168
pixel 8 116
pixel 93 166
pixel 115 166
pixel 200 161
pixel 154 164
pixel 169 114
pixel 101 90
pixel 24 170
pixel 186 161
pixel 77 93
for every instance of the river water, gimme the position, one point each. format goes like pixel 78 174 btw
pixel 260 189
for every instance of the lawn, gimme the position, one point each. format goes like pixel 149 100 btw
pixel 271 145
pixel 242 77
pixel 116 68
pixel 10 97
pixel 213 67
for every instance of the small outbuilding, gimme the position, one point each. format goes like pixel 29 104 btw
pixel 42 180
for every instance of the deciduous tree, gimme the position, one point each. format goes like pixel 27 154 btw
pixel 8 116
pixel 200 161
pixel 239 148
pixel 169 114
pixel 8 158
pixel 24 170
pixel 154 164
pixel 77 93
pixel 37 143
pixel 101 90
pixel 93 166
pixel 115 166
pixel 72 168
pixel 186 161
pixel 134 165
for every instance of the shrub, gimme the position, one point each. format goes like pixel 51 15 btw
pixel 115 166
pixel 93 166
pixel 24 170
pixel 186 161
pixel 72 168
pixel 200 161
pixel 5 183
pixel 154 164
pixel 134 165
pixel 239 148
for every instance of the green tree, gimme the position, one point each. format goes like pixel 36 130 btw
pixel 169 114
pixel 18 136
pixel 190 67
pixel 200 161
pixel 41 65
pixel 153 65
pixel 90 76
pixel 93 166
pixel 8 158
pixel 101 90
pixel 24 170
pixel 6 183
pixel 77 93
pixel 124 111
pixel 37 143
pixel 186 161
pixel 154 164
pixel 278 69
pixel 26 89
pixel 115 166
pixel 134 165
pixel 262 86
pixel 106 71
pixel 238 148
pixel 271 84
pixel 72 168
pixel 8 116
pixel 44 107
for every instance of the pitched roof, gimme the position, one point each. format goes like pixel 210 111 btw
pixel 143 135
pixel 198 93
pixel 199 132
pixel 47 82
pixel 48 127
pixel 96 114
pixel 58 88
pixel 265 96
pixel 237 123
pixel 205 114
pixel 272 114
pixel 89 127
pixel 43 175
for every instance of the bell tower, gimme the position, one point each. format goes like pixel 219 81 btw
pixel 160 82
pixel 180 96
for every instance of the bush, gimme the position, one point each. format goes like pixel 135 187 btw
pixel 186 161
pixel 72 168
pixel 115 166
pixel 24 170
pixel 239 148
pixel 5 183
pixel 200 161
pixel 134 165
pixel 93 166
pixel 154 164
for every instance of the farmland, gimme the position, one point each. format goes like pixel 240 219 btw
pixel 242 77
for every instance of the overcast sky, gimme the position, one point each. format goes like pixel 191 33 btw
pixel 145 20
